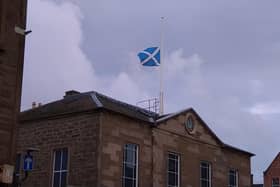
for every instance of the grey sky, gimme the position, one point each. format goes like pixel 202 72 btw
pixel 222 58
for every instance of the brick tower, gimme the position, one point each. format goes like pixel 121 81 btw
pixel 12 15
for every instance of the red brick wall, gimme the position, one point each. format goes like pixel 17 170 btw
pixel 78 133
pixel 272 172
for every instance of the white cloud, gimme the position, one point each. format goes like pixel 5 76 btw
pixel 54 61
pixel 266 108
pixel 185 72
pixel 176 63
pixel 124 88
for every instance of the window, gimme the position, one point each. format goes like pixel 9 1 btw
pixel 60 167
pixel 189 124
pixel 173 170
pixel 275 182
pixel 130 166
pixel 205 174
pixel 232 178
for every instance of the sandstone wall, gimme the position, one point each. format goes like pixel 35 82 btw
pixel 77 133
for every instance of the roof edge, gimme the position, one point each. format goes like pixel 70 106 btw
pixel 168 116
pixel 227 146
pixel 96 100
pixel 56 116
pixel 199 118
pixel 272 162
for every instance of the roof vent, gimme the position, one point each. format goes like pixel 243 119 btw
pixel 70 93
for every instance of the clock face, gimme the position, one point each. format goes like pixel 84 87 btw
pixel 189 124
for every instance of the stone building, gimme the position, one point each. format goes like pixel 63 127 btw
pixel 12 14
pixel 88 139
pixel 272 174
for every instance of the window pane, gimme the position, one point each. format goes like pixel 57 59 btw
pixel 204 164
pixel 204 173
pixel 129 170
pixel 204 183
pixel 231 180
pixel 130 156
pixel 172 179
pixel 57 163
pixel 63 179
pixel 275 181
pixel 64 159
pixel 131 146
pixel 172 165
pixel 128 183
pixel 56 180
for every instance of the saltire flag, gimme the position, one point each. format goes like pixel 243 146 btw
pixel 150 56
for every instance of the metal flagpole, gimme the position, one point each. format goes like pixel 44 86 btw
pixel 161 107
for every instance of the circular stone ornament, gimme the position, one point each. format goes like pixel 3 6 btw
pixel 189 124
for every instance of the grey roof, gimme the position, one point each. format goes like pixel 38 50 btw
pixel 230 147
pixel 75 102
pixel 88 101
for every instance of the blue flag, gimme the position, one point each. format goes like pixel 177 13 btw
pixel 150 56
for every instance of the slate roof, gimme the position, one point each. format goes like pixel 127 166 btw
pixel 75 102
pixel 88 101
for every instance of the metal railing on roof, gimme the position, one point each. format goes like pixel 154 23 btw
pixel 151 105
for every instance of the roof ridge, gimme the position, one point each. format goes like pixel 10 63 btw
pixel 96 100
pixel 134 107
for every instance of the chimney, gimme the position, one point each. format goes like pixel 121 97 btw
pixel 33 104
pixel 70 93
pixel 39 104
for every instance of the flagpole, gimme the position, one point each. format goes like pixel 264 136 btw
pixel 161 109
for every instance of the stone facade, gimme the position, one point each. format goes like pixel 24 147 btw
pixel 12 13
pixel 78 133
pixel 272 172
pixel 201 145
pixel 155 143
pixel 96 138
pixel 117 130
